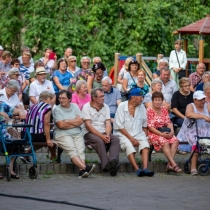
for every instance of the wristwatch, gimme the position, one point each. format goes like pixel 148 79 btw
pixel 66 121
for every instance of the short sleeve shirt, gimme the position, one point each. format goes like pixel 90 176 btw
pixel 97 118
pixel 80 101
pixel 131 80
pixel 195 79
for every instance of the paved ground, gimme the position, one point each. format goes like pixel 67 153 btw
pixel 99 191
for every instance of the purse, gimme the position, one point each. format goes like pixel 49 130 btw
pixel 164 130
pixel 182 73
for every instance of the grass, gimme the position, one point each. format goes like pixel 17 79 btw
pixel 49 173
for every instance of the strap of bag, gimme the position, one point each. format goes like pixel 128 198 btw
pixel 132 78
pixel 177 58
pixel 197 83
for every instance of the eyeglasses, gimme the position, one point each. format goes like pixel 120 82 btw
pixel 86 62
pixel 62 98
pixel 102 96
pixel 16 74
pixel 186 86
pixel 73 61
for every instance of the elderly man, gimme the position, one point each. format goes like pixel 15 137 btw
pixel 5 62
pixel 112 96
pixel 97 132
pixel 39 85
pixel 98 60
pixel 68 52
pixel 8 94
pixel 205 79
pixel 163 63
pixel 130 125
pixel 169 86
pixel 196 77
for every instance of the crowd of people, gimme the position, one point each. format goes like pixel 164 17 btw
pixel 87 109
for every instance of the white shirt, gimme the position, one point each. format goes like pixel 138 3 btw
pixel 36 88
pixel 97 118
pixel 131 124
pixel 173 62
pixel 13 101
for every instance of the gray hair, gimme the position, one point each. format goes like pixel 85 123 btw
pixel 38 63
pixel 13 84
pixel 94 92
pixel 12 71
pixel 108 79
pixel 163 60
pixel 79 84
pixel 97 58
pixel 155 81
pixel 85 57
pixel 45 95
pixel 24 48
pixel 165 69
pixel 207 72
pixel 206 86
pixel 200 64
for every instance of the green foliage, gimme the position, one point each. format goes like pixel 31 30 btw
pixel 98 27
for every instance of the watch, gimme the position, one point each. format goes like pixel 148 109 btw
pixel 66 121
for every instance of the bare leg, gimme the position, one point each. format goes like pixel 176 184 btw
pixel 194 161
pixel 167 153
pixel 174 147
pixel 11 165
pixel 53 152
pixel 144 156
pixel 132 160
pixel 78 162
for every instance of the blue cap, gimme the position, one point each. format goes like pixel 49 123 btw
pixel 135 92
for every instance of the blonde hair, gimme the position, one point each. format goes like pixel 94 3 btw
pixel 184 80
pixel 45 95
pixel 27 54
pixel 127 61
pixel 141 70
pixel 70 58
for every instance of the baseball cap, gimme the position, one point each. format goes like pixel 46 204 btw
pixel 40 70
pixel 135 92
pixel 199 95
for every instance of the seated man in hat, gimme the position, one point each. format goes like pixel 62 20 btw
pixel 130 126
pixel 39 85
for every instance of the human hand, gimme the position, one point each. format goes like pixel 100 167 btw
pixel 135 142
pixel 105 138
pixel 206 118
pixel 166 135
pixel 5 115
pixel 22 114
pixel 50 143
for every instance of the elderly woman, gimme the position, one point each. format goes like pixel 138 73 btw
pixel 68 134
pixel 198 110
pixel 85 73
pixel 205 79
pixel 8 94
pixel 41 130
pixel 6 112
pixel 81 97
pixel 179 102
pixel 161 133
pixel 122 72
pixel 72 65
pixel 98 70
pixel 141 76
pixel 177 61
pixel 156 86
pixel 130 77
pixel 37 65
pixel 163 63
pixel 61 78
pixel 206 89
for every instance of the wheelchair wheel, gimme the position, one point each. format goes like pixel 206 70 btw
pixel 33 172
pixel 8 173
pixel 187 168
pixel 203 169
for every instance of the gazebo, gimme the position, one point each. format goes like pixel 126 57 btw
pixel 201 27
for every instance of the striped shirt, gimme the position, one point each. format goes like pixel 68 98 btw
pixel 36 115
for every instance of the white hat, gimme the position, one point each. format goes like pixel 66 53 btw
pixel 40 70
pixel 1 48
pixel 199 95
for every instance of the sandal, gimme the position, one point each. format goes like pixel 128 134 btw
pixel 1 177
pixel 14 176
pixel 181 152
pixel 194 172
pixel 176 169
pixel 169 168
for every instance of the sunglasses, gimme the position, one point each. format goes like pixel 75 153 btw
pixel 73 61
pixel 86 62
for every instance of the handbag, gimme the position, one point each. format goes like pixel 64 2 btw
pixel 164 130
pixel 125 94
pixel 182 73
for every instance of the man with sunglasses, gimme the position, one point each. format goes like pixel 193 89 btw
pixel 130 126
pixel 97 132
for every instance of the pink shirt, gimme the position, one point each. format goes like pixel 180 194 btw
pixel 80 101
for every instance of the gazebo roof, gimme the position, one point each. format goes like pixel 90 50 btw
pixel 199 27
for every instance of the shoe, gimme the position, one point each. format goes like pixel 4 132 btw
pixel 83 174
pixel 140 172
pixel 25 159
pixel 15 176
pixel 181 152
pixel 90 169
pixel 111 164
pixel 113 171
pixel 169 168
pixel 194 172
pixel 148 173
pixel 1 177
pixel 153 152
pixel 89 147
pixel 176 169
